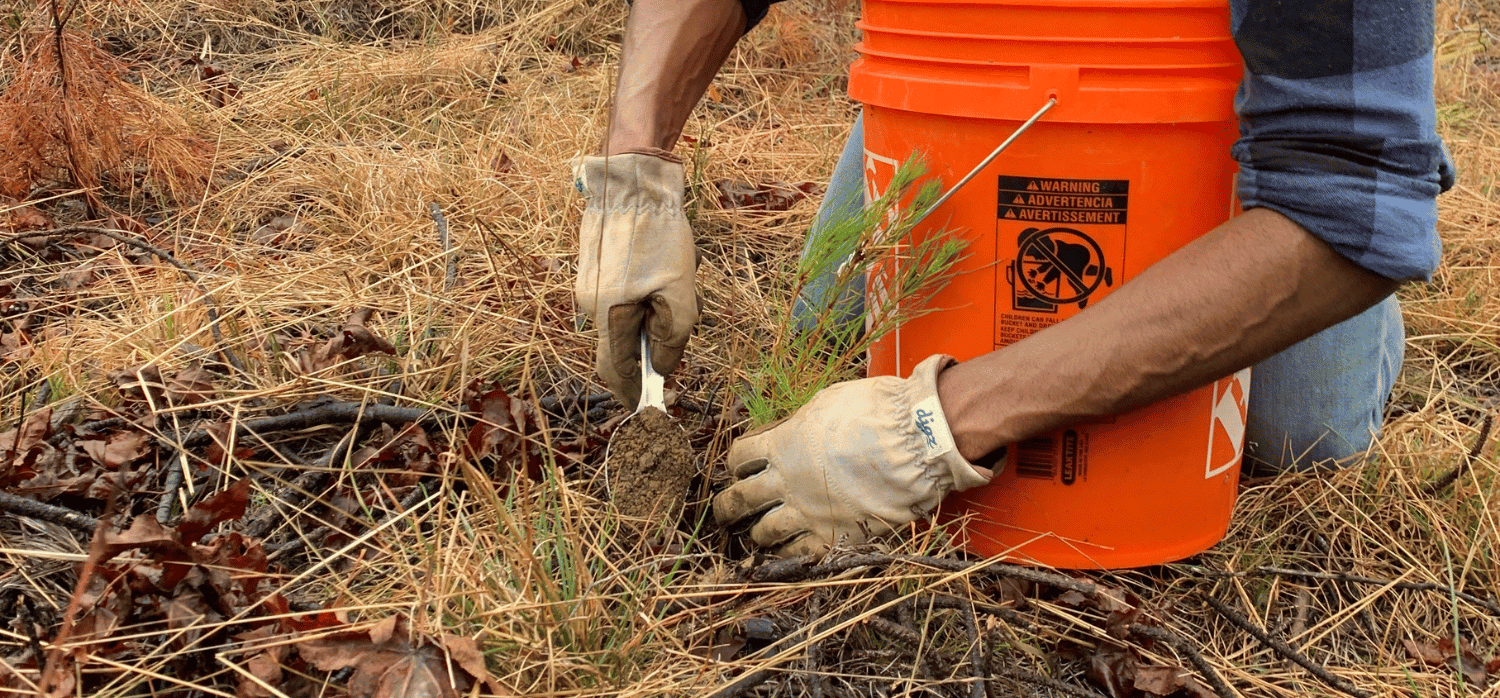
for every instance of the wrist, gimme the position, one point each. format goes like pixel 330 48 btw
pixel 939 447
pixel 962 399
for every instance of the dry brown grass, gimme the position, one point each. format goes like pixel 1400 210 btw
pixel 355 115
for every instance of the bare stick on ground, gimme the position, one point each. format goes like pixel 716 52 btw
pixel 1263 570
pixel 1284 649
pixel 32 509
pixel 1464 466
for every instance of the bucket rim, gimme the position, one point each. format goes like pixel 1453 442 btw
pixel 882 29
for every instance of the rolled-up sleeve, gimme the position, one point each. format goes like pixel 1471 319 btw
pixel 1338 126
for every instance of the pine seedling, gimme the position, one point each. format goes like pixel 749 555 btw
pixel 822 344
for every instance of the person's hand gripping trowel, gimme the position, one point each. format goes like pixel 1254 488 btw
pixel 636 269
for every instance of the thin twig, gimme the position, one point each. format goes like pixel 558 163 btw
pixel 1452 476
pixel 330 413
pixel 954 603
pixel 32 509
pixel 175 476
pixel 1192 654
pixel 1486 604
pixel 119 236
pixel 911 639
pixel 801 569
pixel 451 273
pixel 1284 649
pixel 979 687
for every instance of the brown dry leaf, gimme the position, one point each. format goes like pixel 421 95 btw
pixel 465 651
pixel 502 164
pixel 137 383
pixel 386 664
pixel 282 232
pixel 356 340
pixel 186 614
pixel 14 346
pixel 191 385
pixel 121 448
pixel 264 663
pixel 1466 660
pixel 144 532
pixel 1166 681
pixel 217 85
pixel 31 433
pixel 1113 669
pixel 27 217
pixel 1425 652
pixel 496 407
pixel 78 279
pixel 227 504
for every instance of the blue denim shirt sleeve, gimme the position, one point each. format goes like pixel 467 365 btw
pixel 1338 125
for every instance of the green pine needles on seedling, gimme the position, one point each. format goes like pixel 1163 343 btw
pixel 822 344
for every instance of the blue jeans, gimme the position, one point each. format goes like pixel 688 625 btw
pixel 1321 399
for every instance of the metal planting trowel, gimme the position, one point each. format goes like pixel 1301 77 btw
pixel 648 463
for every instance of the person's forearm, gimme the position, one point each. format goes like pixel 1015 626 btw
pixel 672 51
pixel 1246 290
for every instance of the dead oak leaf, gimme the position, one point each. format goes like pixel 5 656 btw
pixel 79 278
pixel 263 660
pixel 27 217
pixel 1167 681
pixel 140 383
pixel 32 433
pixel 121 448
pixel 386 663
pixel 144 532
pixel 191 385
pixel 282 232
pixel 227 504
pixel 356 340
pixel 465 651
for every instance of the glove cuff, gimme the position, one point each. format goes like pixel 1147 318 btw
pixel 939 453
pixel 630 182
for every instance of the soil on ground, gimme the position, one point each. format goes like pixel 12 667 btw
pixel 650 466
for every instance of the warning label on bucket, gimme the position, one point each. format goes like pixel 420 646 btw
pixel 1051 200
pixel 1060 244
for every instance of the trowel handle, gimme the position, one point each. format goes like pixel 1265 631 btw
pixel 653 385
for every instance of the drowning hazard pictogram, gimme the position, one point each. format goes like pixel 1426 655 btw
pixel 1059 266
pixel 1226 425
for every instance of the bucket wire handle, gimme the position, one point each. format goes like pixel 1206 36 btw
pixel 1051 102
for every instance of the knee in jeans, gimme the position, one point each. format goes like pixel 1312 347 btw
pixel 1306 447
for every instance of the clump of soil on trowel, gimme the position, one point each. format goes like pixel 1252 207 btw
pixel 650 467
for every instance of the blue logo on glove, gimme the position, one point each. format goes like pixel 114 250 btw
pixel 924 424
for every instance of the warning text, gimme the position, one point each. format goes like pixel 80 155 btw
pixel 1055 200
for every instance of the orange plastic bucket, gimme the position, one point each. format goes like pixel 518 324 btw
pixel 1131 163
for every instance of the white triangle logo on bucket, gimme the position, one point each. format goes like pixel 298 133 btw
pixel 879 171
pixel 1226 428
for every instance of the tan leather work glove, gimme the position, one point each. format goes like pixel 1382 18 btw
pixel 870 454
pixel 636 264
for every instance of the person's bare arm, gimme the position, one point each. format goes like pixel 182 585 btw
pixel 672 51
pixel 1244 291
